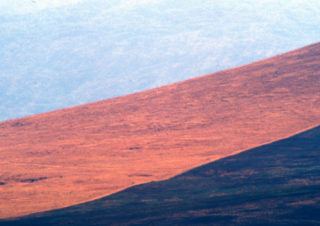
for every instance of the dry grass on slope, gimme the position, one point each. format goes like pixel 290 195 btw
pixel 78 154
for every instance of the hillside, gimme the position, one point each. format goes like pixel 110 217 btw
pixel 275 184
pixel 57 53
pixel 78 154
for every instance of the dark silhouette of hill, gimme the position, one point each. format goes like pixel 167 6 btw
pixel 75 155
pixel 275 184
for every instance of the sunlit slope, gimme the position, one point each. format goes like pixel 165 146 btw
pixel 274 184
pixel 60 53
pixel 78 154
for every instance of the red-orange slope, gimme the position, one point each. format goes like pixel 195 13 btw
pixel 78 154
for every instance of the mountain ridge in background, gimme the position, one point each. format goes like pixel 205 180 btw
pixel 74 155
pixel 56 54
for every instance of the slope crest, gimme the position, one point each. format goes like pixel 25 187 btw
pixel 78 154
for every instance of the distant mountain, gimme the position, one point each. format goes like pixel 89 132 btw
pixel 275 184
pixel 56 54
pixel 74 155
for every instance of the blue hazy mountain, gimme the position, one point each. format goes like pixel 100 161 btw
pixel 55 54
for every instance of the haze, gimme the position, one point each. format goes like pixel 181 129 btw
pixel 54 54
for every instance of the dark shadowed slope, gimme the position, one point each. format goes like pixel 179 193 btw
pixel 74 155
pixel 275 184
